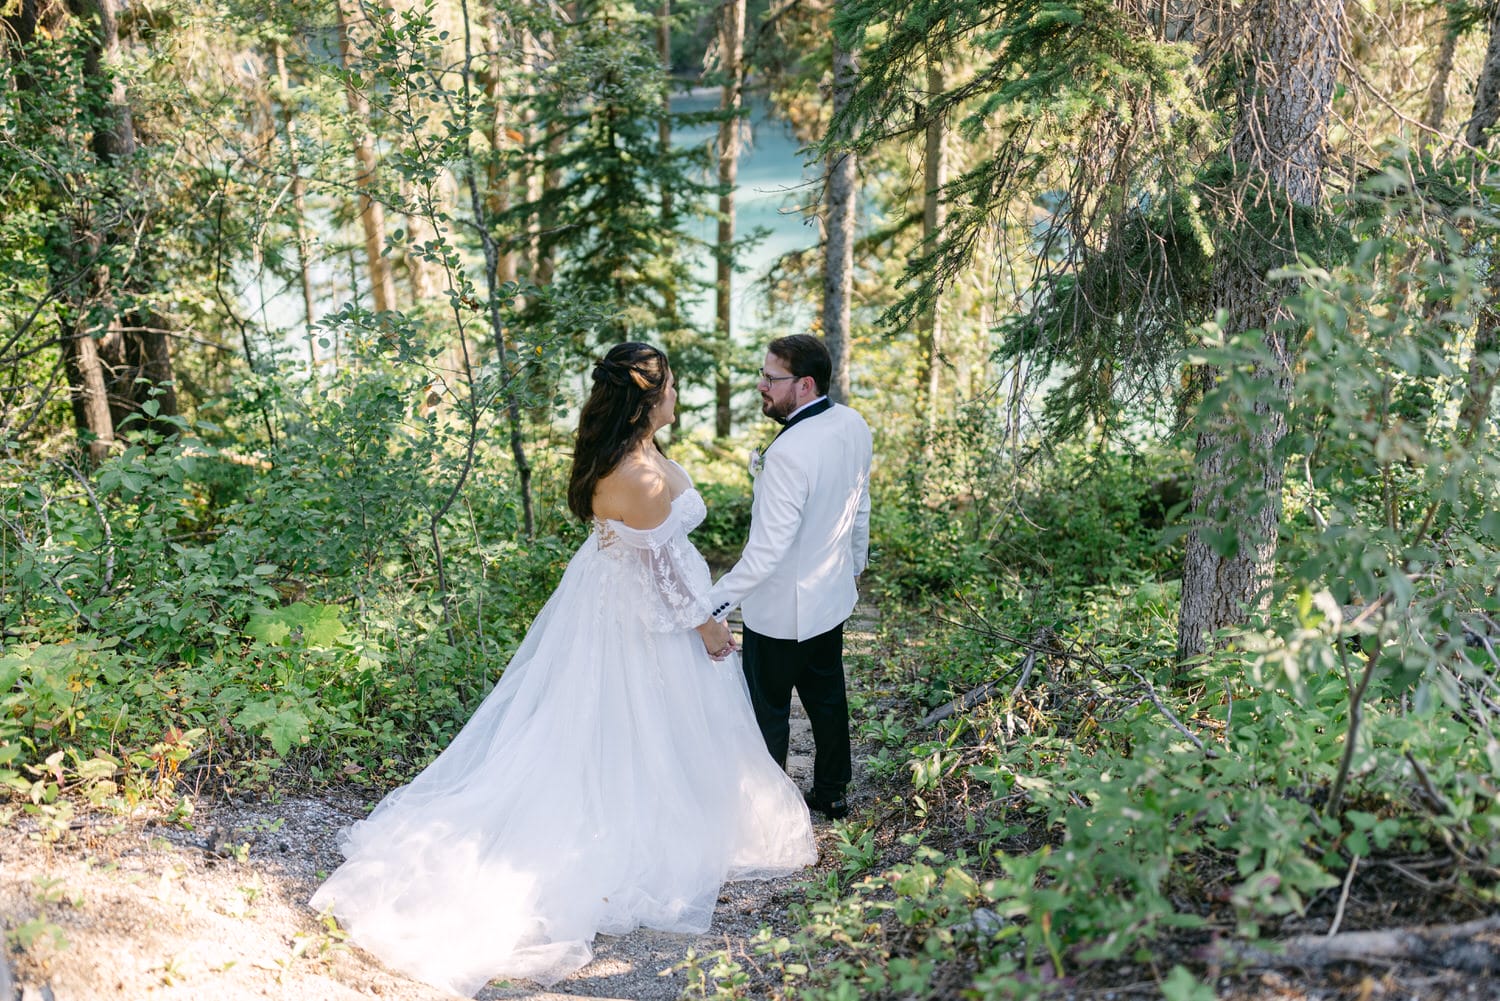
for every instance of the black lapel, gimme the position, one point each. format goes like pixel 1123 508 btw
pixel 822 406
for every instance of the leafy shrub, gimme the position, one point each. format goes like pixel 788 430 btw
pixel 724 531
pixel 284 614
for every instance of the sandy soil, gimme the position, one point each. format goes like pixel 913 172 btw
pixel 216 911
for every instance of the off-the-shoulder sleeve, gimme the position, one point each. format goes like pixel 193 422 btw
pixel 673 575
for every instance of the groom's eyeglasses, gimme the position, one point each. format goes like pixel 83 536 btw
pixel 771 380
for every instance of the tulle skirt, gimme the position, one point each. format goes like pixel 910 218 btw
pixel 613 779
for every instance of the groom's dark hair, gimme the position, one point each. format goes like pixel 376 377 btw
pixel 805 355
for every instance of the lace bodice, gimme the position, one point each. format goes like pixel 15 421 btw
pixel 660 566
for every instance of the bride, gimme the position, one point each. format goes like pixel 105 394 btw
pixel 614 777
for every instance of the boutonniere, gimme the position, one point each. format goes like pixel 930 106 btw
pixel 757 462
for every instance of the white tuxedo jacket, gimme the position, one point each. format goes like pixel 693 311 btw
pixel 809 530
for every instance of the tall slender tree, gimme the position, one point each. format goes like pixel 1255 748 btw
pixel 283 99
pixel 367 164
pixel 731 49
pixel 71 109
pixel 839 208
pixel 1483 364
pixel 934 215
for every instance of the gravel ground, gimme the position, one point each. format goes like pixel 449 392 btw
pixel 126 910
pixel 217 911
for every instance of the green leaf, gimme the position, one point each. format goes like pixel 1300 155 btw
pixel 306 623
pixel 1181 985
pixel 256 714
pixel 285 729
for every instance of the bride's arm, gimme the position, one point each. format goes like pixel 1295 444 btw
pixel 640 499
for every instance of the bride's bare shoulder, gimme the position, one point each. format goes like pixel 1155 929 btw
pixel 635 492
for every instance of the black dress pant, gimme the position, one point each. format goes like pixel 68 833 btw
pixel 815 668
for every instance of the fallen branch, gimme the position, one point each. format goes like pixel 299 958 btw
pixel 1472 947
pixel 986 691
pixel 1161 707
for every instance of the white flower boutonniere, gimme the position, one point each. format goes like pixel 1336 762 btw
pixel 757 462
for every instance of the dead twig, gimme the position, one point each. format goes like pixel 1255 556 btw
pixel 1161 707
pixel 1338 913
pixel 1038 643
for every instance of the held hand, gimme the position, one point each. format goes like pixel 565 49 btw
pixel 717 639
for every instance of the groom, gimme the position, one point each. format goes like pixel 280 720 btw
pixel 809 541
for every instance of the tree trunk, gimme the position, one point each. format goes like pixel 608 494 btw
pixel 88 393
pixel 1278 146
pixel 1482 372
pixel 672 321
pixel 510 372
pixel 838 221
pixel 136 357
pixel 371 210
pixel 112 375
pixel 421 276
pixel 551 179
pixel 731 52
pixel 934 176
pixel 533 177
pixel 114 138
pixel 1437 93
pixel 1486 105
pixel 497 178
pixel 664 123
pixel 299 207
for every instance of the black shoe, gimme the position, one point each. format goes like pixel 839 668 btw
pixel 833 809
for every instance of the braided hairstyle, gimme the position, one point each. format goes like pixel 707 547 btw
pixel 628 383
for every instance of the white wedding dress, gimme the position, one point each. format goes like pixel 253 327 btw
pixel 614 778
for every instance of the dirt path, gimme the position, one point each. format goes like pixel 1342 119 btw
pixel 217 912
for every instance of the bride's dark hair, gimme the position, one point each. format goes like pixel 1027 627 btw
pixel 628 383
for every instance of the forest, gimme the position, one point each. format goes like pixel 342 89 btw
pixel 1177 325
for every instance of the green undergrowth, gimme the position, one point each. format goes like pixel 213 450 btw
pixel 185 621
pixel 1106 815
pixel 1098 814
pixel 188 621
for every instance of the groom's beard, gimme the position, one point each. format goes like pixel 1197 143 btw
pixel 778 412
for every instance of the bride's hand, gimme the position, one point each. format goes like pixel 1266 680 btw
pixel 717 639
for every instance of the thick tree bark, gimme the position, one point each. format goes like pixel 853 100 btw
pixel 1487 93
pixel 934 211
pixel 1480 386
pixel 136 355
pixel 731 53
pixel 1278 147
pixel 838 221
pixel 371 210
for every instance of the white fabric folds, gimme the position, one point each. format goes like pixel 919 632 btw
pixel 613 779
